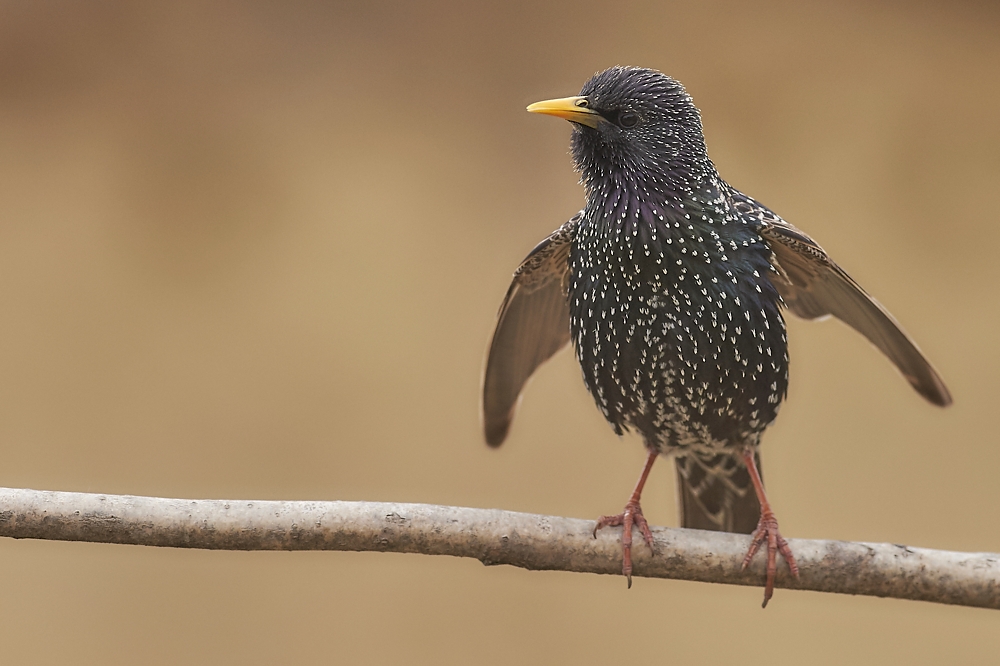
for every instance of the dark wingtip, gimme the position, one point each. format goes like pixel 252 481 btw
pixel 496 433
pixel 934 390
pixel 940 397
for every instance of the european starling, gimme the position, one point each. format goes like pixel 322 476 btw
pixel 670 282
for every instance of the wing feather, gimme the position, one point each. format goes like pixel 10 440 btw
pixel 813 285
pixel 533 324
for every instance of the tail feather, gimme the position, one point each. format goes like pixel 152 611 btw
pixel 715 493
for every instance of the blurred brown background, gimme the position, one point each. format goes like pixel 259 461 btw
pixel 256 251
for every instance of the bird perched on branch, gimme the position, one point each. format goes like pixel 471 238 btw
pixel 670 283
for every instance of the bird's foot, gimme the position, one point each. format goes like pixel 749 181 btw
pixel 632 515
pixel 767 530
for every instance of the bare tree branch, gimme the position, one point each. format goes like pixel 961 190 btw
pixel 493 536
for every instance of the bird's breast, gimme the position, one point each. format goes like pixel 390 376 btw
pixel 677 330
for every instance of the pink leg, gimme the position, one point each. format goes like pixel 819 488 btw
pixel 767 530
pixel 631 515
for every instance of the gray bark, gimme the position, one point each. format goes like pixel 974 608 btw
pixel 493 537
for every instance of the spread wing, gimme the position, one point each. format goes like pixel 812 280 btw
pixel 812 285
pixel 533 324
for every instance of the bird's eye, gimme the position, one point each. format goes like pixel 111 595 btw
pixel 628 119
pixel 582 103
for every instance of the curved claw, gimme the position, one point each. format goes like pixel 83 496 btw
pixel 632 515
pixel 767 529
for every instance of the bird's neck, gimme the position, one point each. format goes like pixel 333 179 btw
pixel 671 171
pixel 623 198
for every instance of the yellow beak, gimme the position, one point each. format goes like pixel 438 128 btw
pixel 573 109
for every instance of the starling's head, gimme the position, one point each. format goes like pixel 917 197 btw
pixel 635 125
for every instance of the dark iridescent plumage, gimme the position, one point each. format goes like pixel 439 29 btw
pixel 670 282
